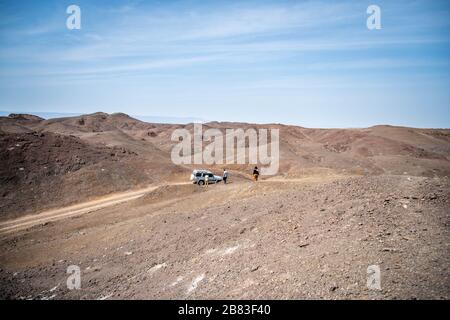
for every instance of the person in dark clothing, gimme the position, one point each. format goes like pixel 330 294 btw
pixel 255 174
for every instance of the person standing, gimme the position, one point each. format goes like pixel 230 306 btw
pixel 225 176
pixel 256 174
pixel 206 180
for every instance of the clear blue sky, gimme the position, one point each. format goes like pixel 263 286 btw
pixel 310 63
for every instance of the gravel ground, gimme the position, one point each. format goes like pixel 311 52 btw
pixel 268 240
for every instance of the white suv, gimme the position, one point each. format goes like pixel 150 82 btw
pixel 198 177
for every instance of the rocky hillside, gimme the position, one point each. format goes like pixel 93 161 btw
pixel 46 163
pixel 47 169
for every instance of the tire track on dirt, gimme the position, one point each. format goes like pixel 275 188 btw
pixel 98 204
pixel 74 210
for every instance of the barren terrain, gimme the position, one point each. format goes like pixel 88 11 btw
pixel 100 192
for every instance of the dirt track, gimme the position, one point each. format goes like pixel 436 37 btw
pixel 75 210
pixel 94 205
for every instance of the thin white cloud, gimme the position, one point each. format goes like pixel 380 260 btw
pixel 137 41
pixel 142 66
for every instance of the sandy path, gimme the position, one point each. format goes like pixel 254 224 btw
pixel 111 200
pixel 74 210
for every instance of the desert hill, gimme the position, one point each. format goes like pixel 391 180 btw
pixel 66 160
pixel 49 163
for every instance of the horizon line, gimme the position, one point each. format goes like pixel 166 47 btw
pixel 59 115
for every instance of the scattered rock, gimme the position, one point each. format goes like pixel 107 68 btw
pixel 333 288
pixel 255 268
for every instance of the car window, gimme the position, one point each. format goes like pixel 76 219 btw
pixel 211 175
pixel 198 174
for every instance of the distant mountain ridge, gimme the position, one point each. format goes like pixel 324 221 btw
pixel 150 119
